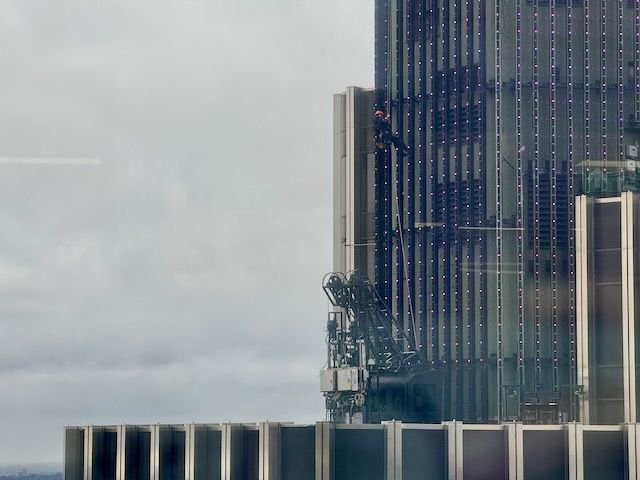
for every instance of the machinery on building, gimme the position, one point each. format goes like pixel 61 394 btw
pixel 374 370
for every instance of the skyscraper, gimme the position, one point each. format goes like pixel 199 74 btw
pixel 510 109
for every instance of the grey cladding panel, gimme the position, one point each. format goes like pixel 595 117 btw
pixel 105 450
pixel 607 265
pixel 485 455
pixel 208 445
pixel 607 229
pixel 138 455
pixel 604 456
pixel 298 452
pixel 607 376
pixel 73 454
pixel 172 450
pixel 424 454
pixel 250 455
pixel 359 454
pixel 545 455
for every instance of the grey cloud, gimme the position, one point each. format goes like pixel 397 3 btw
pixel 180 279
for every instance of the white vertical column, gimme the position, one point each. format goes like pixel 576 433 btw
pixel 189 451
pixel 88 452
pixel 624 251
pixel 582 301
pixel 225 452
pixel 393 435
pixel 574 451
pixel 579 439
pixel 121 442
pixel 571 449
pixel 636 453
pixel 628 305
pixel 325 434
pixel 634 232
pixel 631 431
pixel 154 451
pixel 516 456
pixel 269 451
pixel 455 453
pixel 350 158
pixel 232 445
pixel 339 207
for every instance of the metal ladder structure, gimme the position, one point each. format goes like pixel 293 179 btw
pixel 388 346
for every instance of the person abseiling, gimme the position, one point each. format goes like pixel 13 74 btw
pixel 384 135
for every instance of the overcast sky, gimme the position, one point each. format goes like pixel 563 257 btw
pixel 179 279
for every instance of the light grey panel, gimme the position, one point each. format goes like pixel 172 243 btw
pixel 73 454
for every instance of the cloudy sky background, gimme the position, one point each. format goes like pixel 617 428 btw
pixel 179 279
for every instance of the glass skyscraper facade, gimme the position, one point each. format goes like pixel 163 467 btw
pixel 510 109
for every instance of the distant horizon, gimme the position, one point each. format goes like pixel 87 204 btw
pixel 7 469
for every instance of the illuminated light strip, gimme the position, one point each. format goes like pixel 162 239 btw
pixel 457 161
pixel 411 262
pixel 470 258
pixel 384 176
pixel 572 281
pixel 620 125
pixel 554 202
pixel 520 199
pixel 412 193
pixel 433 300
pixel 376 168
pixel 387 170
pixel 482 276
pixel 408 204
pixel 587 86
pixel 536 189
pixel 498 93
pixel 396 117
pixel 421 182
pixel 445 170
pixel 446 250
pixel 459 334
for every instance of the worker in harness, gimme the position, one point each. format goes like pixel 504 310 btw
pixel 384 135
